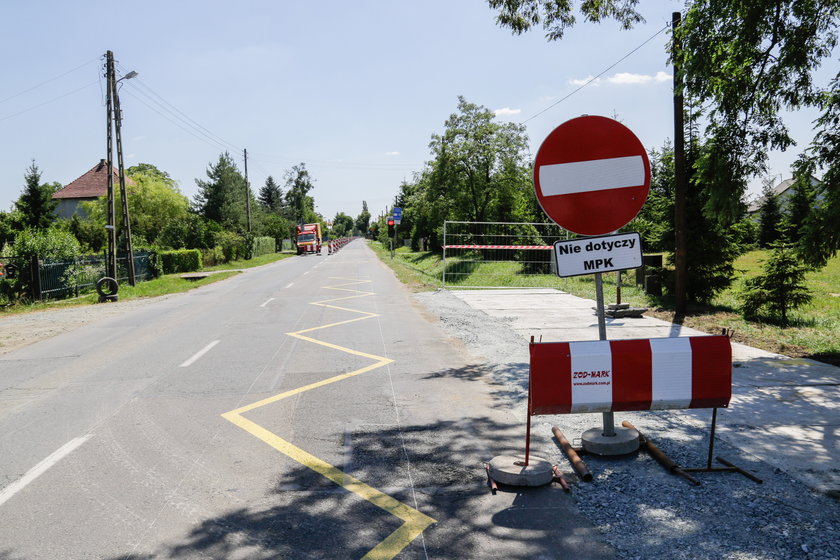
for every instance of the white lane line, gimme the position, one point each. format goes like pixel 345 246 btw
pixel 41 468
pixel 307 272
pixel 199 354
pixel 290 284
pixel 267 302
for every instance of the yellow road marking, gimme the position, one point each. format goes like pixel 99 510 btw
pixel 414 522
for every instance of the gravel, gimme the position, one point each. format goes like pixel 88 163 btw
pixel 640 509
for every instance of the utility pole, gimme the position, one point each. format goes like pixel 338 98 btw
pixel 114 122
pixel 111 265
pixel 247 191
pixel 680 180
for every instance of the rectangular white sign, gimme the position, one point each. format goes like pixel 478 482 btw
pixel 590 255
pixel 594 175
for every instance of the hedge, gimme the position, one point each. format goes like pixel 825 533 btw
pixel 182 260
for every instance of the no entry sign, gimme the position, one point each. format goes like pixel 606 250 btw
pixel 591 175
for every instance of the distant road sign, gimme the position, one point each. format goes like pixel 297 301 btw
pixel 397 215
pixel 591 175
pixel 590 255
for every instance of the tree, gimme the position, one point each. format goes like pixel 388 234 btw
pixel 479 165
pixel 779 288
pixel 35 203
pixel 770 216
pixel 821 230
pixel 798 209
pixel 301 205
pixel 655 221
pixel 342 225
pixel 222 198
pixel 271 196
pixel 363 219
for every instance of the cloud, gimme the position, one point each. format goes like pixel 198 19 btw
pixel 623 79
pixel 595 81
pixel 507 112
pixel 392 153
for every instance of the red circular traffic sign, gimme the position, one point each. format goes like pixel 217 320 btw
pixel 592 175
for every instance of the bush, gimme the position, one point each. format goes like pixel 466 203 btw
pixel 53 243
pixel 232 244
pixel 183 260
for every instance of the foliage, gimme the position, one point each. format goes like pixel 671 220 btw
pixel 274 226
pixel 342 225
pixel 52 243
pixel 193 232
pixel 181 260
pixel 221 198
pixel 154 202
pixel 271 196
pixel 798 209
pixel 655 221
pixel 263 246
pixel 10 224
pixel 779 289
pixel 232 244
pixel 770 217
pixel 821 230
pixel 301 205
pixel 557 15
pixel 35 203
pixel 479 165
pixel 745 62
pixel 363 219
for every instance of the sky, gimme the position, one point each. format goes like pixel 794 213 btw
pixel 354 90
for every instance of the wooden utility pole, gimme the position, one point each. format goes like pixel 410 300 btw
pixel 114 120
pixel 111 265
pixel 680 180
pixel 247 192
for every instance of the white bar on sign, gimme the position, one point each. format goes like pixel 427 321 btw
pixel 593 175
pixel 591 376
pixel 671 364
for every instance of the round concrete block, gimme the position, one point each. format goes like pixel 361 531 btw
pixel 512 470
pixel 624 441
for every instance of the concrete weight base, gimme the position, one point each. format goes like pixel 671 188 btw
pixel 624 441
pixel 512 470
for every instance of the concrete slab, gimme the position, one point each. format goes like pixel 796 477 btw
pixel 784 411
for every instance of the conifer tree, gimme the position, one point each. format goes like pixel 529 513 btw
pixel 36 203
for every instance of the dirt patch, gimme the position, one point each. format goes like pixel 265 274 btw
pixel 22 329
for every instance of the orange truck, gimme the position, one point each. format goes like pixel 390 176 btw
pixel 309 239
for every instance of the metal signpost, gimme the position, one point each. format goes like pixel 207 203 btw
pixel 591 177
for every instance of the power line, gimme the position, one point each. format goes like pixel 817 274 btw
pixel 592 79
pixel 48 81
pixel 49 101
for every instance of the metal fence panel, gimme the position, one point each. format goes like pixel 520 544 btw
pixel 499 254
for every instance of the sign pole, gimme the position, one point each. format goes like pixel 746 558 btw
pixel 609 420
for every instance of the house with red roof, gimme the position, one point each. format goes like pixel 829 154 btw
pixel 88 187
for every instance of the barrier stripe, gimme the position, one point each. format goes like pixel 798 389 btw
pixel 632 385
pixel 639 374
pixel 671 373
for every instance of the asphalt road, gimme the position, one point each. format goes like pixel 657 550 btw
pixel 305 409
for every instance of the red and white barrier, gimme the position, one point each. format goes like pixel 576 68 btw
pixel 642 374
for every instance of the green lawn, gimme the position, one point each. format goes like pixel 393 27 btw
pixel 166 284
pixel 813 331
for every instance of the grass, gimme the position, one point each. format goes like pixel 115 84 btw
pixel 813 330
pixel 166 284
